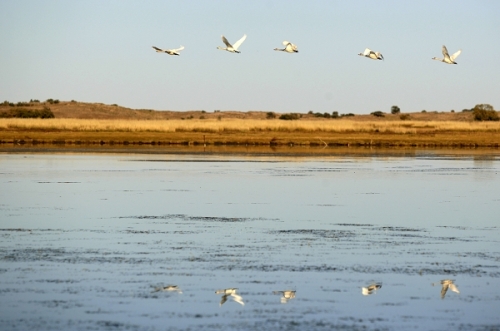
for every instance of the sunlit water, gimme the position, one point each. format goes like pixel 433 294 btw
pixel 87 241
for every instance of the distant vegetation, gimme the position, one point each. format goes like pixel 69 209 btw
pixel 484 112
pixel 395 110
pixel 378 113
pixel 334 114
pixel 289 117
pixel 270 115
pixel 27 113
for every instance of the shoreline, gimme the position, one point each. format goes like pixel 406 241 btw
pixel 308 139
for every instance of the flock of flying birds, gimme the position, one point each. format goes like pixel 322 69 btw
pixel 292 48
pixel 287 295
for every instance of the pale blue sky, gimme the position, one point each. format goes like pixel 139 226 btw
pixel 100 51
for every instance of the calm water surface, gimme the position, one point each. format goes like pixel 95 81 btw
pixel 88 240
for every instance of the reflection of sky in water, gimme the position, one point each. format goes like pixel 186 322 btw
pixel 110 229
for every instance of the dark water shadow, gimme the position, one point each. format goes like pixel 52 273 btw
pixel 478 154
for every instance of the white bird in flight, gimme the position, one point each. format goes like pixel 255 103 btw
pixel 232 48
pixel 448 284
pixel 169 51
pixel 289 47
pixel 285 295
pixel 447 58
pixel 370 289
pixel 230 292
pixel 371 54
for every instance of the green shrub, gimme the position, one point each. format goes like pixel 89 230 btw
pixel 347 115
pixel 378 113
pixel 485 112
pixel 404 117
pixel 335 114
pixel 270 115
pixel 395 110
pixel 27 113
pixel 324 115
pixel 467 110
pixel 46 113
pixel 289 117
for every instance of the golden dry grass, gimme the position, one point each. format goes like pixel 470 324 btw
pixel 241 125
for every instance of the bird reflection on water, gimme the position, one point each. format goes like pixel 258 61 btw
pixel 168 288
pixel 370 289
pixel 230 293
pixel 285 295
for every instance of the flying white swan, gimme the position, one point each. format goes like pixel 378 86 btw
pixel 371 54
pixel 232 48
pixel 447 58
pixel 289 47
pixel 169 51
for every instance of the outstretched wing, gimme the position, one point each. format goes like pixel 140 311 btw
pixel 223 300
pixel 237 298
pixel 454 56
pixel 444 289
pixel 454 288
pixel 445 53
pixel 178 49
pixel 158 49
pixel 367 52
pixel 285 43
pixel 239 42
pixel 224 40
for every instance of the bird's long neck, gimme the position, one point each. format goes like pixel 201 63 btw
pixel 438 59
pixel 221 48
pixel 279 49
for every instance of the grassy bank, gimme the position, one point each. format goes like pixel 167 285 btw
pixel 251 132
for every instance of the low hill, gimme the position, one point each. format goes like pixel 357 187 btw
pixel 84 110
